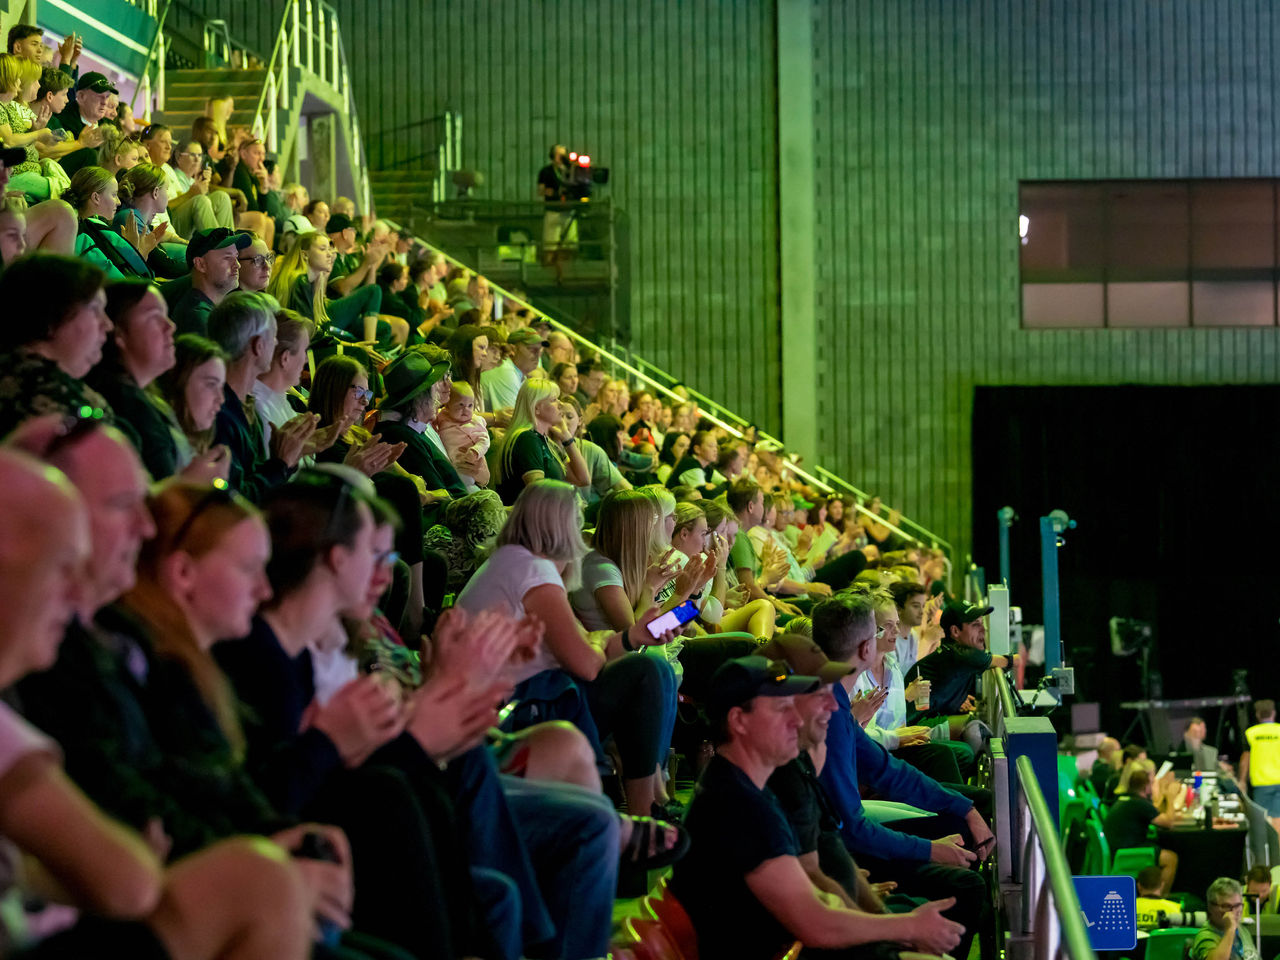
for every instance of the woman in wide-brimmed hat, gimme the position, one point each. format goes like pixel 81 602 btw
pixel 417 385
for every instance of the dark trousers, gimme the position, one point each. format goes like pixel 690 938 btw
pixel 411 871
pixel 839 573
pixel 934 881
pixel 633 699
pixel 935 760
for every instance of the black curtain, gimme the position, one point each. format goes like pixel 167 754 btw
pixel 1175 493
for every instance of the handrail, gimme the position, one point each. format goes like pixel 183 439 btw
pixel 1075 937
pixel 156 46
pixel 669 392
pixel 324 56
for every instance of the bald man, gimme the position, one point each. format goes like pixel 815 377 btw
pixel 43 548
pixel 1110 759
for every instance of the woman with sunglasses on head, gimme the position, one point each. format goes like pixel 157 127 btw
pixel 339 396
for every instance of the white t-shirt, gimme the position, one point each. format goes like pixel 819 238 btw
pixel 502 581
pixel 597 571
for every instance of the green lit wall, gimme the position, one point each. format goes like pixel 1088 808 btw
pixel 927 113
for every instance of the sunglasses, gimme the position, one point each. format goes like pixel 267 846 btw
pixel 363 394
pixel 219 493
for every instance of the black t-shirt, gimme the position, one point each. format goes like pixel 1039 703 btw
pixel 1127 822
pixel 952 671
pixel 734 827
pixel 530 451
pixel 548 177
pixel 794 791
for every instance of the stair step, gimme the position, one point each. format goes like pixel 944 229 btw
pixel 215 79
pixel 204 89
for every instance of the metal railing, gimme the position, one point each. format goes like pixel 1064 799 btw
pixel 309 41
pixel 151 79
pixel 664 384
pixel 438 138
pixel 1049 923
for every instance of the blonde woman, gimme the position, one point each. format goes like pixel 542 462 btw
pixel 599 681
pixel 19 81
pixel 700 533
pixel 621 575
pixel 536 445
pixel 299 282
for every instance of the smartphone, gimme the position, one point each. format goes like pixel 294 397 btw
pixel 1164 768
pixel 676 617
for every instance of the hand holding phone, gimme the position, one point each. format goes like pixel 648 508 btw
pixel 673 619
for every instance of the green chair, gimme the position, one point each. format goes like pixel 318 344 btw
pixel 1097 852
pixel 1169 944
pixel 1070 813
pixel 1068 775
pixel 1131 861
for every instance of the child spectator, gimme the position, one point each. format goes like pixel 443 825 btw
pixel 465 437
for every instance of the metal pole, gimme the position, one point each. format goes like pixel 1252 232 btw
pixel 1051 529
pixel 1005 516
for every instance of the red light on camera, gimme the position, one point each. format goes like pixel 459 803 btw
pixel 584 161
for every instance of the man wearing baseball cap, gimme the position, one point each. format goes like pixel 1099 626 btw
pixel 502 384
pixel 844 626
pixel 953 670
pixel 93 91
pixel 213 256
pixel 742 882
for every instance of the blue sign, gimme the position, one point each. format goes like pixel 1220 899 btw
pixel 1110 912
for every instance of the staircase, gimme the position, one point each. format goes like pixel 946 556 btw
pixel 396 192
pixel 187 92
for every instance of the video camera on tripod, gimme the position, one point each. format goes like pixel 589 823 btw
pixel 581 177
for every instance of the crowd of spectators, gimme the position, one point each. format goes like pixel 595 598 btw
pixel 311 536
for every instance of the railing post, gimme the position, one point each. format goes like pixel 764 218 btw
pixel 297 51
pixel 1005 516
pixel 311 38
pixel 1051 529
pixel 322 36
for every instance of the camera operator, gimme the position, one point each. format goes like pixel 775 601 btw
pixel 559 225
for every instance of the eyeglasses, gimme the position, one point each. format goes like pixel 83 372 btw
pixel 1237 905
pixel 219 492
pixel 77 425
pixel 259 260
pixel 363 394
pixel 387 559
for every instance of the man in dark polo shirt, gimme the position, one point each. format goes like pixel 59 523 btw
pixel 86 111
pixel 1129 820
pixel 742 882
pixel 212 256
pixel 954 668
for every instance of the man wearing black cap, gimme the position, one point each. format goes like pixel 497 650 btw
pixel 212 256
pixel 93 91
pixel 742 882
pixel 350 269
pixel 954 668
